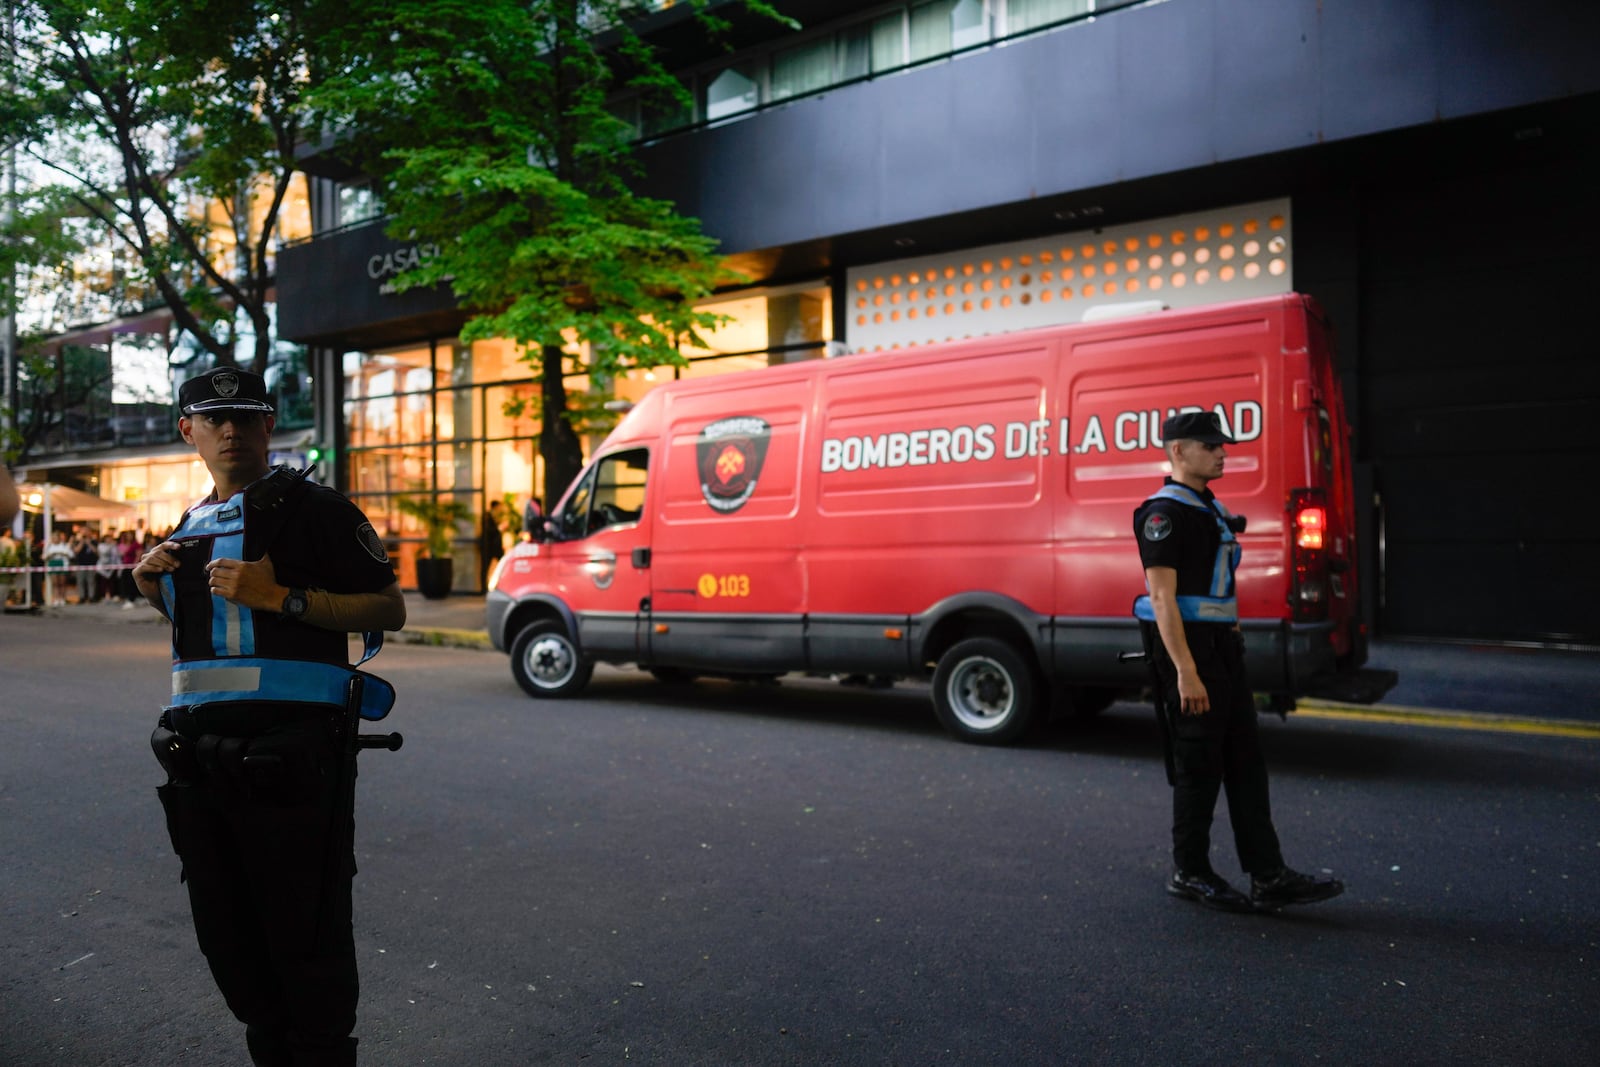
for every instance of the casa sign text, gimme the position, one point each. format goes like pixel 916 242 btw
pixel 388 264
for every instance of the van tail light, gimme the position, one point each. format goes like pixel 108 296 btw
pixel 1308 538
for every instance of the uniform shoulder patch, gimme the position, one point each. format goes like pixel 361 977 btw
pixel 372 542
pixel 1156 526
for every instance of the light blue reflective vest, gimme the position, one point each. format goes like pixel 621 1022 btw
pixel 237 670
pixel 1218 604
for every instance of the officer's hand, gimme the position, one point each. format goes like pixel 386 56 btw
pixel 251 584
pixel 162 559
pixel 1192 696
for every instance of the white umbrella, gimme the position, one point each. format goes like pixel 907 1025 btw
pixel 68 504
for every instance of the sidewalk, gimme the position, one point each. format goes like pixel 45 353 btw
pixel 456 620
pixel 1480 679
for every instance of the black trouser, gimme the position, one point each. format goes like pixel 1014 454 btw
pixel 1219 749
pixel 273 923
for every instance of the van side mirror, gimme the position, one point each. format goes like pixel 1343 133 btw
pixel 542 531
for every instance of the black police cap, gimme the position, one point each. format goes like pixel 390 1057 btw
pixel 1202 426
pixel 224 389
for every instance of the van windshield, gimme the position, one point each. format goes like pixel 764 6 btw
pixel 610 494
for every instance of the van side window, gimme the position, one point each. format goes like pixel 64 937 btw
pixel 611 494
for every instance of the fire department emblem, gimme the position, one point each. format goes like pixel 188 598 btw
pixel 1156 526
pixel 731 452
pixel 226 383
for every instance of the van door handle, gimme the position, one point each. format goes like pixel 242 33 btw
pixel 641 558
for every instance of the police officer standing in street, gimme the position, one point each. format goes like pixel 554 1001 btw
pixel 263 582
pixel 1190 621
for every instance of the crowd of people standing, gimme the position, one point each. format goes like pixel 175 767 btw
pixel 81 565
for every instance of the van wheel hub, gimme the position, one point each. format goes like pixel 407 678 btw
pixel 551 660
pixel 980 692
pixel 985 690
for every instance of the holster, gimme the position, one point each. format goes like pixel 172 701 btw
pixel 176 755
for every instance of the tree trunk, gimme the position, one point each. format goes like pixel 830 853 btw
pixel 559 446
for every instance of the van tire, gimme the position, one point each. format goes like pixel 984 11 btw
pixel 984 691
pixel 546 662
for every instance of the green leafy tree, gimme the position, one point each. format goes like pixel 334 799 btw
pixel 168 129
pixel 485 124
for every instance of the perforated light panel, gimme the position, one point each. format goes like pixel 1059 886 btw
pixel 1202 258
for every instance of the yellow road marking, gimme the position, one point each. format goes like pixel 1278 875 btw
pixel 1447 720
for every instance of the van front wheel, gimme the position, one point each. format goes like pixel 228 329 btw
pixel 546 662
pixel 984 691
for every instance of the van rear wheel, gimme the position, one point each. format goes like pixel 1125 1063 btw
pixel 545 661
pixel 984 691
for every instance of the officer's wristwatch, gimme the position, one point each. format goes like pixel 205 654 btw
pixel 295 604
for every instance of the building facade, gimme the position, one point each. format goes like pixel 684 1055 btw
pixel 896 174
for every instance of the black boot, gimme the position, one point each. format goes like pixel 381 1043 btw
pixel 1209 889
pixel 1288 886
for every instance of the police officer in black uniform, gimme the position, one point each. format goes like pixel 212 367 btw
pixel 1190 620
pixel 263 582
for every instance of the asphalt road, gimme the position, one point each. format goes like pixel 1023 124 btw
pixel 807 874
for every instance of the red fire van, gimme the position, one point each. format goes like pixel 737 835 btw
pixel 961 511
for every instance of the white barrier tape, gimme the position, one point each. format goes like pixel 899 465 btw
pixel 65 570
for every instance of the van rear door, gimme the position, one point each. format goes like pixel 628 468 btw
pixel 1324 580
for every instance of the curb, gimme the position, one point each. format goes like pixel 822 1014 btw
pixel 442 637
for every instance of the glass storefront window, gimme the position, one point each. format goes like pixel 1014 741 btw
pixel 458 414
pixel 501 425
pixel 512 468
pixel 388 397
pixel 453 365
pixel 158 490
pixel 781 326
pixel 458 466
pixel 385 373
pixel 497 361
pixel 385 471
